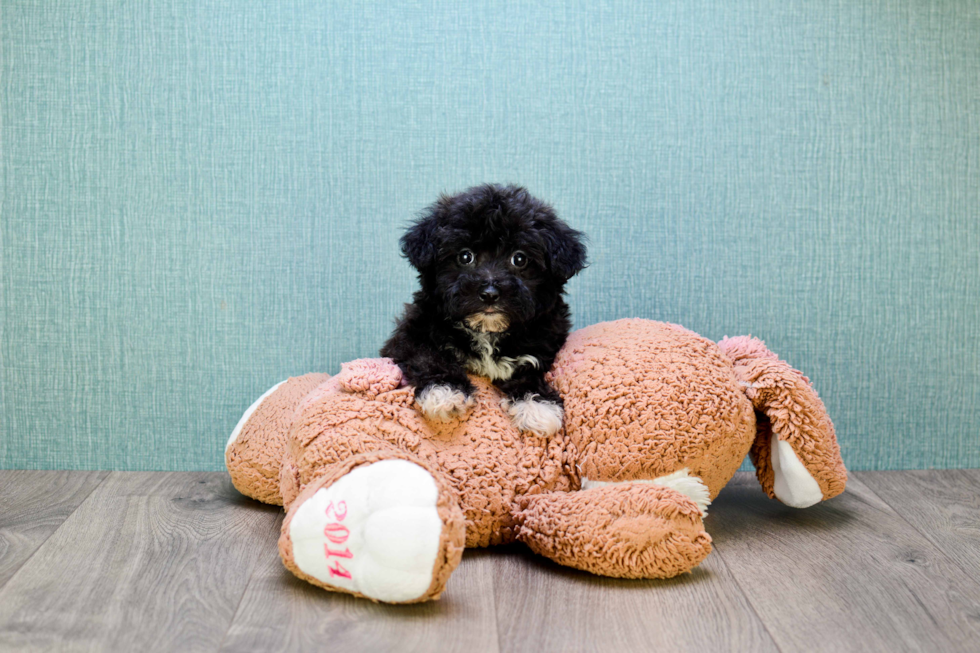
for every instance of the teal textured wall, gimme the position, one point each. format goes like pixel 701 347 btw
pixel 200 199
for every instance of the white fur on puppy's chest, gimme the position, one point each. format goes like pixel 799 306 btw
pixel 496 368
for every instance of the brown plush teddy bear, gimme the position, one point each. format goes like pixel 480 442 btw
pixel 381 502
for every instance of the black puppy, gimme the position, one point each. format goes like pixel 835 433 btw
pixel 492 263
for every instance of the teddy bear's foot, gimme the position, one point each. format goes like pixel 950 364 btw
pixel 383 530
pixel 256 446
pixel 792 483
pixel 625 530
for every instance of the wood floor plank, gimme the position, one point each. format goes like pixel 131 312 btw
pixel 845 575
pixel 282 613
pixel 542 606
pixel 942 504
pixel 167 561
pixel 33 504
pixel 149 561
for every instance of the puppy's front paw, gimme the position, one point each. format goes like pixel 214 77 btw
pixel 443 402
pixel 534 415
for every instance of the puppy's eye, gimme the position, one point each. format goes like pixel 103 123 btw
pixel 465 257
pixel 518 260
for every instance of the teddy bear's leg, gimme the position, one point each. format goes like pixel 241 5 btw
pixel 624 530
pixel 255 449
pixel 795 453
pixel 380 525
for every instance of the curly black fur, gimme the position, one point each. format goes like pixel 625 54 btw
pixel 433 343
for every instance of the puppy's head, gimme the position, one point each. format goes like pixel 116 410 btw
pixel 493 256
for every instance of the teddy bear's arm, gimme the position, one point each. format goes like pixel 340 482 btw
pixel 626 530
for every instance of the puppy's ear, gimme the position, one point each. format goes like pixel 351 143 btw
pixel 566 250
pixel 419 244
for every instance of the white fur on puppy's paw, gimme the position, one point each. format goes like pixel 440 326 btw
pixel 443 402
pixel 539 417
pixel 374 531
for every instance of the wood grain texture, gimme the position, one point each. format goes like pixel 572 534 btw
pixel 942 504
pixel 282 613
pixel 181 562
pixel 33 504
pixel 542 606
pixel 847 574
pixel 149 561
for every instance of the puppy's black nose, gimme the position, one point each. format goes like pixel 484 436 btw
pixel 489 295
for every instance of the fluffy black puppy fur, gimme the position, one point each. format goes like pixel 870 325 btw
pixel 492 264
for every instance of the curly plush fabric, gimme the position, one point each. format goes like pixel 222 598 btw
pixel 793 410
pixel 657 420
pixel 483 456
pixel 624 531
pixel 254 456
pixel 643 399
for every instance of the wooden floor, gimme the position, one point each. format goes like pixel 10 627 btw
pixel 129 561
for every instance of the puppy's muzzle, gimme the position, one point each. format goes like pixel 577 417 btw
pixel 490 294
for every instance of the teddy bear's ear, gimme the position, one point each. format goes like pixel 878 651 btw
pixel 420 244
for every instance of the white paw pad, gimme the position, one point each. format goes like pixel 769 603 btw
pixel 374 531
pixel 793 484
pixel 539 417
pixel 443 402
